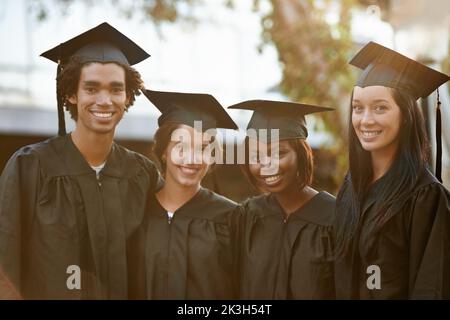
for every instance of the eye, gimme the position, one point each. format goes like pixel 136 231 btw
pixel 90 90
pixel 357 108
pixel 276 155
pixel 381 108
pixel 117 90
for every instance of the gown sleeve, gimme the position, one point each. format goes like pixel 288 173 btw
pixel 430 244
pixel 18 189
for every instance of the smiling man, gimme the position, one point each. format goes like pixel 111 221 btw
pixel 71 207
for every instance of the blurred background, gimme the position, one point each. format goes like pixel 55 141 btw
pixel 292 50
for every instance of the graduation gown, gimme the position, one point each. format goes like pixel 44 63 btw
pixel 287 259
pixel 192 256
pixel 55 213
pixel 412 249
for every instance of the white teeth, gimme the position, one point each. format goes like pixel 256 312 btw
pixel 369 134
pixel 103 114
pixel 272 178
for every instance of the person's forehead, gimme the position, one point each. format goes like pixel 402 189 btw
pixel 372 93
pixel 269 146
pixel 184 129
pixel 110 73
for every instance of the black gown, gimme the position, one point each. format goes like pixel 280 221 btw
pixel 412 249
pixel 54 213
pixel 192 255
pixel 290 259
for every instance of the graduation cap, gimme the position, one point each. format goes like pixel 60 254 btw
pixel 287 117
pixel 102 43
pixel 186 108
pixel 385 67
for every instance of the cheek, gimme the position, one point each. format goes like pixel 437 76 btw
pixel 397 122
pixel 120 99
pixel 254 169
pixel 355 120
pixel 289 164
pixel 205 169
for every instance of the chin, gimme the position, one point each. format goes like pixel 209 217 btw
pixel 188 182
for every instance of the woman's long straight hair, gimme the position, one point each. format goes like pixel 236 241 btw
pixel 398 182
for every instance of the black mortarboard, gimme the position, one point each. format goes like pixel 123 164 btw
pixel 100 44
pixel 186 108
pixel 385 67
pixel 287 117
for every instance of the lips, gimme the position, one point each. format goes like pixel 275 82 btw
pixel 370 133
pixel 189 171
pixel 272 180
pixel 104 115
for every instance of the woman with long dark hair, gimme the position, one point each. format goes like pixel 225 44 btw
pixel 189 247
pixel 393 215
pixel 287 245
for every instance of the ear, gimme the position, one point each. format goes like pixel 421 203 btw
pixel 73 99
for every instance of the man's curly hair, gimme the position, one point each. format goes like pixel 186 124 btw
pixel 67 84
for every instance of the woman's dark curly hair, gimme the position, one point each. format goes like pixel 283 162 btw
pixel 67 84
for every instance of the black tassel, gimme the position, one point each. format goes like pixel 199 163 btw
pixel 60 105
pixel 438 140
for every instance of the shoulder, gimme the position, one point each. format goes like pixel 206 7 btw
pixel 133 163
pixel 261 200
pixel 320 210
pixel 326 200
pixel 34 152
pixel 427 184
pixel 218 201
pixel 260 206
pixel 131 157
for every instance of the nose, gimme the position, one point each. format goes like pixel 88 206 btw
pixel 192 156
pixel 367 117
pixel 104 99
pixel 264 160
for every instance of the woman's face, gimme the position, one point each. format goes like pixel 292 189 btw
pixel 376 119
pixel 185 164
pixel 274 172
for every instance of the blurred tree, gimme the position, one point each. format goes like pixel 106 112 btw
pixel 313 52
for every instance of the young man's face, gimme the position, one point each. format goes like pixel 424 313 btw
pixel 100 98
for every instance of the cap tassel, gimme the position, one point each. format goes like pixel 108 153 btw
pixel 438 140
pixel 60 105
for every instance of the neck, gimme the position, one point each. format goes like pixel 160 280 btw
pixel 381 162
pixel 173 195
pixel 94 147
pixel 292 198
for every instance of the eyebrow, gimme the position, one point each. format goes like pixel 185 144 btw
pixel 97 83
pixel 376 100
